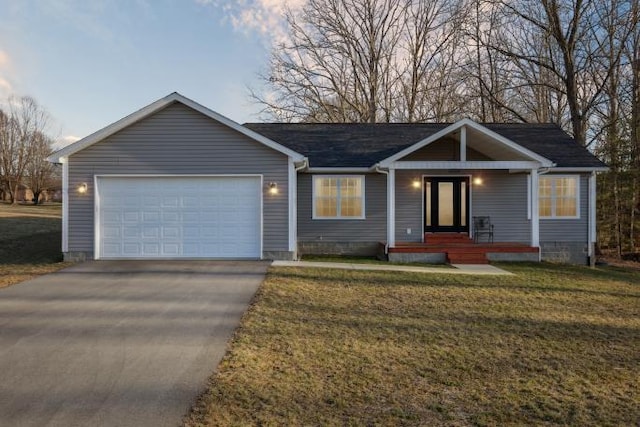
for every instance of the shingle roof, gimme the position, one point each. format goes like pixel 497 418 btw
pixel 364 145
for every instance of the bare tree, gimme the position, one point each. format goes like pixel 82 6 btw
pixel 366 61
pixel 576 37
pixel 425 60
pixel 40 174
pixel 335 64
pixel 19 130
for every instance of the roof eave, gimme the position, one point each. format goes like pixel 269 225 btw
pixel 580 169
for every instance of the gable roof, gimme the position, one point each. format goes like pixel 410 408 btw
pixel 157 106
pixel 482 133
pixel 365 145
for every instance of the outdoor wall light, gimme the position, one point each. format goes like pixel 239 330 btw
pixel 477 181
pixel 416 183
pixel 273 188
pixel 82 188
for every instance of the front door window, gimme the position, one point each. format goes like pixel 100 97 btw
pixel 446 204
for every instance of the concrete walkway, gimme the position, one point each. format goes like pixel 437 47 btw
pixel 470 269
pixel 118 343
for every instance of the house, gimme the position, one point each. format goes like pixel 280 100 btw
pixel 177 180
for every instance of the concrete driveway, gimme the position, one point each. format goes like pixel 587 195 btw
pixel 117 343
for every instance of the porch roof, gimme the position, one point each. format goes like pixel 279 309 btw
pixel 363 144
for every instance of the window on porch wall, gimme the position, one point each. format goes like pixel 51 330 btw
pixel 558 196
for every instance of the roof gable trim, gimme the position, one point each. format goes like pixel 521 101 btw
pixel 476 126
pixel 157 106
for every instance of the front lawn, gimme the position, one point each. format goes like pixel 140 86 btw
pixel 30 241
pixel 552 345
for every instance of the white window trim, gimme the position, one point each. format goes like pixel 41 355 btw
pixel 553 197
pixel 349 218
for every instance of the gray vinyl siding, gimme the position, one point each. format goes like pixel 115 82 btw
pixel 569 230
pixel 408 206
pixel 371 229
pixel 177 140
pixel 502 196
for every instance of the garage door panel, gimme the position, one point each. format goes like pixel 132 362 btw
pixel 132 249
pixel 171 249
pixel 151 201
pixel 191 249
pixel 169 216
pixel 131 216
pixel 150 232
pixel 170 201
pixel 111 249
pixel 112 232
pixel 190 217
pixel 175 217
pixel 151 249
pixel 190 201
pixel 190 232
pixel 209 232
pixel 111 216
pixel 170 232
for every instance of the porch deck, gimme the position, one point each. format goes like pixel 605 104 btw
pixel 460 249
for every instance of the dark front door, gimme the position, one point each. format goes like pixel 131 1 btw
pixel 446 204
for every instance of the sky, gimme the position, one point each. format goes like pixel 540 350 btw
pixel 91 62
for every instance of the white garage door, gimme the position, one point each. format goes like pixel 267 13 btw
pixel 178 217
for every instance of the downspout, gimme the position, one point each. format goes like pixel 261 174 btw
pixel 592 220
pixel 293 195
pixel 377 168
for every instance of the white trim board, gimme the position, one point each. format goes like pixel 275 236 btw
pixel 475 164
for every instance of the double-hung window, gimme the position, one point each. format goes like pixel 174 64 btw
pixel 559 196
pixel 338 197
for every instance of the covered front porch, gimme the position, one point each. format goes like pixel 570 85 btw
pixel 455 248
pixel 437 188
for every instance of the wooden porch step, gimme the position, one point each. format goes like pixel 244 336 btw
pixel 466 258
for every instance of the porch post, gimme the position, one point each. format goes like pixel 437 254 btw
pixel 592 220
pixel 293 209
pixel 65 204
pixel 463 144
pixel 391 208
pixel 535 212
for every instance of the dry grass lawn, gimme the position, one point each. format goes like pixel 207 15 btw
pixel 30 242
pixel 553 345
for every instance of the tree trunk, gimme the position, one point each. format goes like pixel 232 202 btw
pixel 632 217
pixel 616 214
